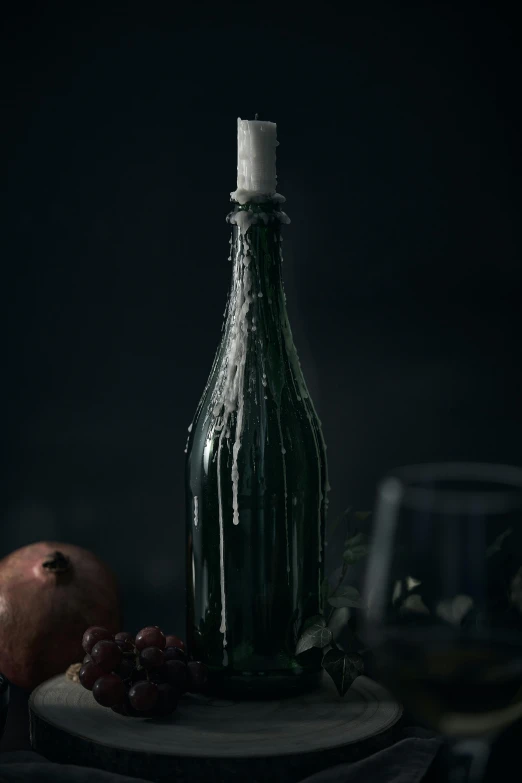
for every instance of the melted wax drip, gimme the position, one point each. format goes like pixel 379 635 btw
pixel 230 395
pixel 187 443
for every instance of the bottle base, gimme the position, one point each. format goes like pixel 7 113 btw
pixel 261 685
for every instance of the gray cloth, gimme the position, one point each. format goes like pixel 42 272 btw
pixel 404 762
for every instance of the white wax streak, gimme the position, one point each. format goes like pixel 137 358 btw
pixel 231 384
pixel 243 220
pixel 256 156
pixel 230 396
pixel 188 438
pixel 195 510
pixel 236 393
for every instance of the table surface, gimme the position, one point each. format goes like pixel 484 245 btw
pixel 505 755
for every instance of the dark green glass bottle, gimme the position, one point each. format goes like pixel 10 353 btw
pixel 256 484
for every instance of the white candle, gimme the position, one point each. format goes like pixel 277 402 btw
pixel 256 160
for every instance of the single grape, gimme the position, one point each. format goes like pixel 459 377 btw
pixel 167 699
pixel 126 668
pixel 152 657
pixel 106 654
pixel 87 659
pixel 94 634
pixel 176 674
pixel 143 696
pixel 89 673
pixel 109 690
pixel 124 636
pixel 151 636
pixel 197 676
pixel 175 641
pixel 175 654
pixel 125 641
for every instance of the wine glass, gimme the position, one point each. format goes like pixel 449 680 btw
pixel 442 600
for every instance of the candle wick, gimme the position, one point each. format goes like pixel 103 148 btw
pixel 255 118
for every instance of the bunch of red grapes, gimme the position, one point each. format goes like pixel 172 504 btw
pixel 142 676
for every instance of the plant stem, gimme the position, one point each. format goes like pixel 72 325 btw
pixel 337 586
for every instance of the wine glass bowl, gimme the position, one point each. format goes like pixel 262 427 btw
pixel 443 595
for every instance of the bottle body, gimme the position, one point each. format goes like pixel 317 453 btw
pixel 256 483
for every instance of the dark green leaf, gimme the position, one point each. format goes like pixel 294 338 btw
pixel 356 547
pixel 315 635
pixel 413 603
pixel 454 610
pixel 346 596
pixel 355 553
pixel 355 540
pixel 343 668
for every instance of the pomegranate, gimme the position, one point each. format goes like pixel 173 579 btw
pixel 49 594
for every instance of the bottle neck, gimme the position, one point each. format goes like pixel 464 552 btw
pixel 257 346
pixel 257 295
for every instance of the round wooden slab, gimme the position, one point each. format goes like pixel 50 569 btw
pixel 213 740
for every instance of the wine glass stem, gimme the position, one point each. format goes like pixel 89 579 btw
pixel 468 760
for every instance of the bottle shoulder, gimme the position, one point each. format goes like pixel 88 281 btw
pixel 290 424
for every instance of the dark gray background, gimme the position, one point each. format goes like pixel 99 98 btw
pixel 400 160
